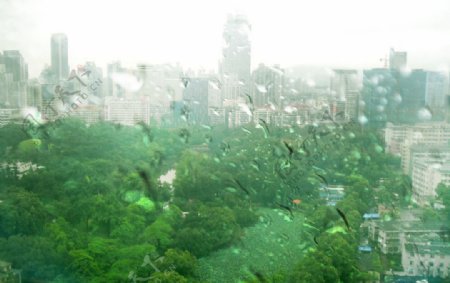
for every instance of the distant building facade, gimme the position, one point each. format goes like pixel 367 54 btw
pixel 394 96
pixel 127 111
pixel 404 140
pixel 59 56
pixel 397 60
pixel 13 80
pixel 388 235
pixel 234 68
pixel 268 86
pixel 427 255
pixel 428 172
pixel 345 91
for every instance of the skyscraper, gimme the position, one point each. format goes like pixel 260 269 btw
pixel 392 96
pixel 13 79
pixel 15 65
pixel 268 86
pixel 235 65
pixel 345 93
pixel 397 60
pixel 195 97
pixel 113 89
pixel 381 96
pixel 59 55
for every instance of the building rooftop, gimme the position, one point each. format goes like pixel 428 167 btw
pixel 398 225
pixel 371 216
pixel 434 248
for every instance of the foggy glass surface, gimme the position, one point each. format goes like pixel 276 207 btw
pixel 224 141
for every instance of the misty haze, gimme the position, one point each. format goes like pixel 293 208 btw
pixel 224 141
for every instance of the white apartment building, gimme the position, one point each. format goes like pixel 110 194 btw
pixel 426 133
pixel 216 115
pixel 428 173
pixel 345 88
pixel 394 136
pixel 426 256
pixel 389 234
pixel 127 111
pixel 400 139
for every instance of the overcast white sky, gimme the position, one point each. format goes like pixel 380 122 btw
pixel 337 33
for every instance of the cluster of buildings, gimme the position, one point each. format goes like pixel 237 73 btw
pixel 236 95
pixel 411 105
pixel 424 149
pixel 422 246
pixel 400 95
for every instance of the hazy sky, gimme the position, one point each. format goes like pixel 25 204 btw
pixel 338 33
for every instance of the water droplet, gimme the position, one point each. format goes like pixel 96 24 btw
pixel 405 72
pixel 381 90
pixel 127 81
pixel 397 97
pixel 289 109
pixel 378 148
pixel 261 88
pixel 230 189
pixel 244 107
pixel 380 108
pixel 424 114
pixel 356 154
pixel 214 85
pixel 363 120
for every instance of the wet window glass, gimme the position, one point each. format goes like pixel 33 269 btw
pixel 224 141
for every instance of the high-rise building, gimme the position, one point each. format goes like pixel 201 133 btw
pixel 380 96
pixel 199 96
pixel 195 97
pixel 397 60
pixel 127 111
pixel 427 173
pixel 92 73
pixel 15 65
pixel 13 80
pixel 34 94
pixel 59 56
pixel 423 96
pixel 345 86
pixel 268 86
pixel 235 65
pixel 5 80
pixel 395 96
pixel 112 88
pixel 436 93
pixel 161 83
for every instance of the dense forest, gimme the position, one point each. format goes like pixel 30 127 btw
pixel 91 207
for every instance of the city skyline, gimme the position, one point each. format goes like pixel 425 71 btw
pixel 345 34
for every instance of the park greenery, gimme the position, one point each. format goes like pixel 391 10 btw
pixel 94 210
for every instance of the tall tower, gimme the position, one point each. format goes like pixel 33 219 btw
pixel 397 60
pixel 15 65
pixel 235 65
pixel 13 79
pixel 59 55
pixel 345 94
